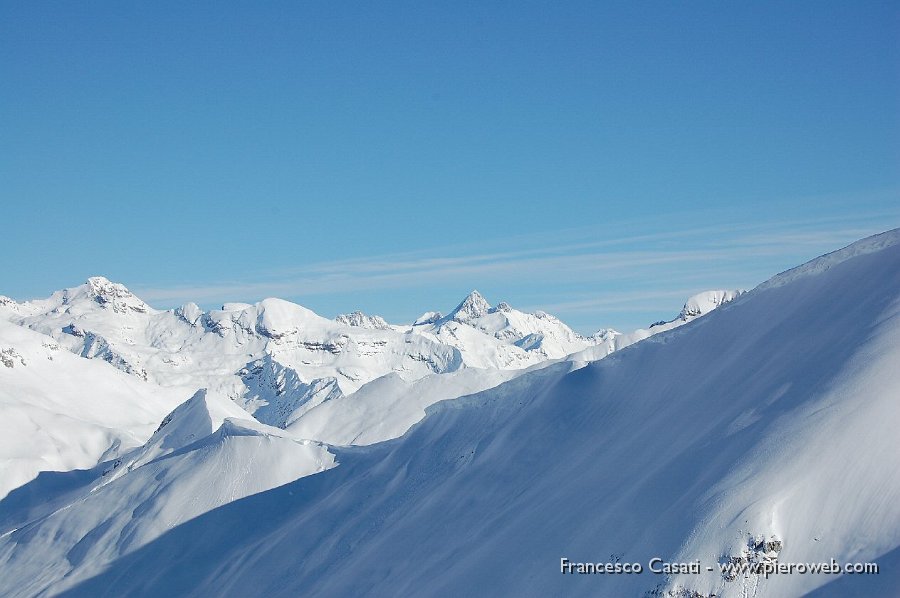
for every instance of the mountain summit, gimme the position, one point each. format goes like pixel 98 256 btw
pixel 472 307
pixel 109 295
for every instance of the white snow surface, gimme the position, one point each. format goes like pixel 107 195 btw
pixel 60 412
pixel 280 361
pixel 774 416
pixel 198 459
pixel 703 303
pixel 274 361
pixel 361 320
pixel 278 358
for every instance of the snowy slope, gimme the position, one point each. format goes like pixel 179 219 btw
pixel 60 412
pixel 387 407
pixel 696 306
pixel 195 462
pixel 774 417
pixel 280 362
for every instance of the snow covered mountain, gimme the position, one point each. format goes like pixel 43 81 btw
pixel 279 360
pixel 61 412
pixel 521 337
pixel 762 431
pixel 354 380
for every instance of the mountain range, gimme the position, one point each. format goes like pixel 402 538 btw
pixel 266 450
pixel 276 360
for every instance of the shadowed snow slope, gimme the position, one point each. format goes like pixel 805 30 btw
pixel 774 416
pixel 195 461
pixel 387 407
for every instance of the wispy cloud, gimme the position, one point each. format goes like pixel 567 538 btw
pixel 589 278
pixel 664 255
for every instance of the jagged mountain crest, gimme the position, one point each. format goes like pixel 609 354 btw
pixel 472 307
pixel 360 320
pixel 106 294
pixel 307 359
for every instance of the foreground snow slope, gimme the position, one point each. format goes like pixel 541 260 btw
pixel 206 453
pixel 389 406
pixel 773 417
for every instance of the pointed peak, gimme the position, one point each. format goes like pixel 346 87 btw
pixel 98 280
pixel 473 306
pixel 196 418
pixel 198 398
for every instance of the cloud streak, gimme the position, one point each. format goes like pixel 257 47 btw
pixel 663 256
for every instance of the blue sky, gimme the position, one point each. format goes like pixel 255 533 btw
pixel 600 160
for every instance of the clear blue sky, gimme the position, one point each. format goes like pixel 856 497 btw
pixel 596 159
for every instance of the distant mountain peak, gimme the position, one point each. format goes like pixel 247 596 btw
pixel 107 294
pixel 503 307
pixel 99 280
pixel 101 287
pixel 473 306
